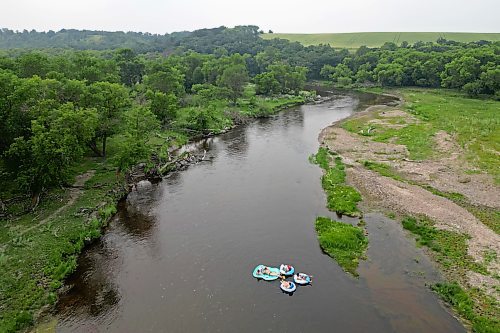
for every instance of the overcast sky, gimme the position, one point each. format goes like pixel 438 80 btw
pixel 161 16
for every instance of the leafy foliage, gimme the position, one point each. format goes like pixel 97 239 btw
pixel 58 138
pixel 234 79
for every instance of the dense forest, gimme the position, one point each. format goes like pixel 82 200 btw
pixel 58 105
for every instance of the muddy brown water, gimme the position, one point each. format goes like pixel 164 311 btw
pixel 178 256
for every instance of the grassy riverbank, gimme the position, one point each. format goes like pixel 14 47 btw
pixel 449 250
pixel 473 123
pixel 39 248
pixel 433 163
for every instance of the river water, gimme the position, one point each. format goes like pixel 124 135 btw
pixel 179 254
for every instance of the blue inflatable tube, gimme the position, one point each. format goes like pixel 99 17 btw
pixel 302 278
pixel 284 271
pixel 290 289
pixel 257 273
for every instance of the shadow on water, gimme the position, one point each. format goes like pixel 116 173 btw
pixel 93 292
pixel 178 256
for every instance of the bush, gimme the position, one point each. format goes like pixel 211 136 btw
pixel 473 89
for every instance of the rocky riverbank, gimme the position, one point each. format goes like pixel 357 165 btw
pixel 438 188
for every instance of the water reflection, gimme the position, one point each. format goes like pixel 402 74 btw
pixel 93 291
pixel 236 142
pixel 137 211
pixel 370 99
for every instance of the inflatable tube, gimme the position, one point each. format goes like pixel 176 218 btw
pixel 302 278
pixel 284 272
pixel 290 289
pixel 266 277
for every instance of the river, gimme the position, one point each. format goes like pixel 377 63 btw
pixel 178 255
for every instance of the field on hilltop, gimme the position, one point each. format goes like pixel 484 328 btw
pixel 375 39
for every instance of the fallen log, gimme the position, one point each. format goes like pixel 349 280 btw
pixel 167 166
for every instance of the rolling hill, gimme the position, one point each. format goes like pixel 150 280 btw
pixel 376 39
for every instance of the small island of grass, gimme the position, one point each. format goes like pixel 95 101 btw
pixel 343 242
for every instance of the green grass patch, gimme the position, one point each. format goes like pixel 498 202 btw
pixel 383 169
pixel 343 242
pixel 321 158
pixel 341 198
pixel 487 215
pixel 418 138
pixel 462 301
pixel 448 248
pixel 453 196
pixel 358 125
pixel 376 39
pixel 474 123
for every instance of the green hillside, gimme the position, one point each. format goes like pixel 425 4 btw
pixel 375 39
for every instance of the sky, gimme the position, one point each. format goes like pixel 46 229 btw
pixel 292 16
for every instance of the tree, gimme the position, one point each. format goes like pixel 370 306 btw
pixel 58 138
pixel 208 92
pixel 327 71
pixel 86 66
pixel 427 74
pixel 296 80
pixel 269 56
pixel 139 124
pixel 110 100
pixel 266 84
pixel 234 78
pixel 291 79
pixel 32 63
pixel 390 46
pixel 473 89
pixel 202 119
pixel 164 106
pixel 389 74
pixel 165 78
pixel 190 65
pixel 21 101
pixel 341 71
pixel 460 71
pixel 131 69
pixel 364 74
pixel 490 78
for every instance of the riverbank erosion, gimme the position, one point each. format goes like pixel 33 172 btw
pixel 407 163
